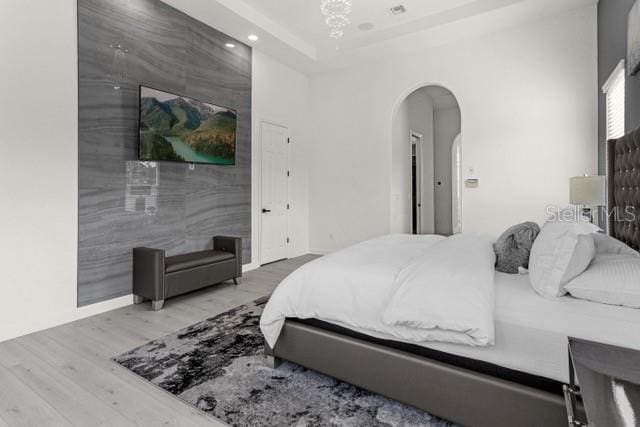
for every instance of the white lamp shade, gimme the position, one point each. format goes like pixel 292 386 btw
pixel 588 190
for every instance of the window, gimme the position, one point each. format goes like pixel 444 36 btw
pixel 614 92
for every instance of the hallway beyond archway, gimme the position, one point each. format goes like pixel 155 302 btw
pixel 426 178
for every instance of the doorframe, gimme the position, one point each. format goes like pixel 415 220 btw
pixel 459 202
pixel 419 178
pixel 261 170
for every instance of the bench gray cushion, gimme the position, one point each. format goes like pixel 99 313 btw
pixel 195 259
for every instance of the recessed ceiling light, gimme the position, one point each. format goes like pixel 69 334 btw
pixel 253 37
pixel 365 26
pixel 230 45
pixel 398 10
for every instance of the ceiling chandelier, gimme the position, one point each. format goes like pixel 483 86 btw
pixel 336 14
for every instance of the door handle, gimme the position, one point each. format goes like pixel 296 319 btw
pixel 266 210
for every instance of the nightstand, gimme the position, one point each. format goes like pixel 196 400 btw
pixel 607 378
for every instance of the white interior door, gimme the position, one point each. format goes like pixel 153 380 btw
pixel 275 193
pixel 428 210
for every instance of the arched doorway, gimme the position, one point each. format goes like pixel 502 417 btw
pixel 425 163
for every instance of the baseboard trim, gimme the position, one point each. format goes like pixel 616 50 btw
pixel 57 319
pixel 317 251
pixel 76 313
pixel 250 267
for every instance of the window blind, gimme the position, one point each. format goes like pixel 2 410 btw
pixel 614 90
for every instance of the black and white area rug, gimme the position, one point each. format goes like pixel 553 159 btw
pixel 218 366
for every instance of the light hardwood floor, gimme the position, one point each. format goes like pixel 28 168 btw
pixel 64 375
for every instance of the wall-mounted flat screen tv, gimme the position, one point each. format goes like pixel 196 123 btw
pixel 180 129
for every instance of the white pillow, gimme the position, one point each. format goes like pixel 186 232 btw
pixel 611 279
pixel 583 254
pixel 562 251
pixel 609 245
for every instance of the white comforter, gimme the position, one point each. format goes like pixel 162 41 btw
pixel 447 293
pixel 412 288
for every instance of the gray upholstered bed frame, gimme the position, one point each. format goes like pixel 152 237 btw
pixel 460 394
pixel 457 394
pixel 623 169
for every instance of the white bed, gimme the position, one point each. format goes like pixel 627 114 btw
pixel 532 331
pixel 348 289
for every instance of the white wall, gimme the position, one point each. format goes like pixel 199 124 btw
pixel 400 178
pixel 281 96
pixel 38 163
pixel 38 172
pixel 529 122
pixel 446 127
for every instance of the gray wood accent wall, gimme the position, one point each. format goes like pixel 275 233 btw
pixel 173 207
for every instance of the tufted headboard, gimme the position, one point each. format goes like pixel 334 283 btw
pixel 624 188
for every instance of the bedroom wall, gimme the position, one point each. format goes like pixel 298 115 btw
pixel 612 47
pixel 38 169
pixel 281 96
pixel 40 231
pixel 400 179
pixel 529 123
pixel 186 207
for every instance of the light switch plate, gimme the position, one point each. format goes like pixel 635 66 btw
pixel 471 182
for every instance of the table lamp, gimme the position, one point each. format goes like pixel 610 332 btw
pixel 588 192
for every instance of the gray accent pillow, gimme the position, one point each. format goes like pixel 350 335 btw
pixel 514 246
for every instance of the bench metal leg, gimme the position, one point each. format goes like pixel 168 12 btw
pixel 157 305
pixel 273 362
pixel 137 299
pixel 237 281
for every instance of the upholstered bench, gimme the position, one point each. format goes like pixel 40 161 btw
pixel 157 277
